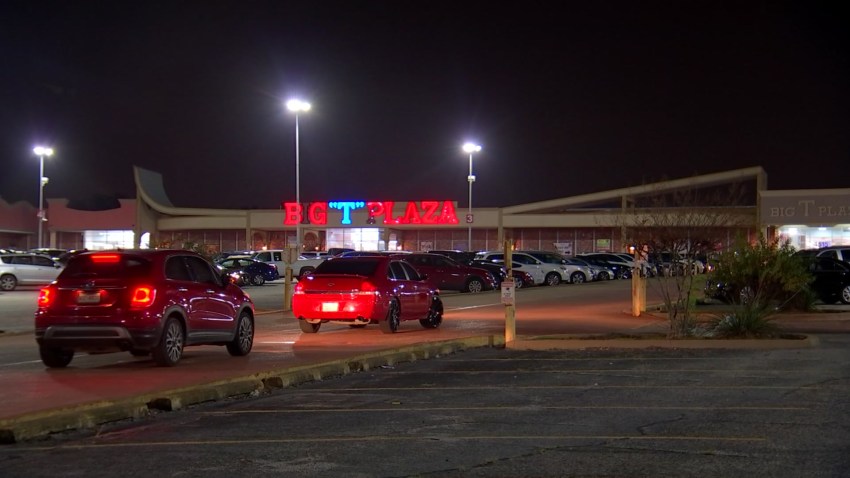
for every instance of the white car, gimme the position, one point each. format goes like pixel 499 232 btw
pixel 27 269
pixel 300 267
pixel 543 273
pixel 576 273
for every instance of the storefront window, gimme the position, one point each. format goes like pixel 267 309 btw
pixel 99 240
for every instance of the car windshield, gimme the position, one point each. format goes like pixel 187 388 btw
pixel 107 266
pixel 358 267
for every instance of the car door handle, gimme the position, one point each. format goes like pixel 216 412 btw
pixel 182 289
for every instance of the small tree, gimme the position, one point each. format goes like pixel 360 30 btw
pixel 765 273
pixel 682 225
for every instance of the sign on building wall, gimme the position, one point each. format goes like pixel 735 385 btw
pixel 811 207
pixel 565 248
pixel 603 245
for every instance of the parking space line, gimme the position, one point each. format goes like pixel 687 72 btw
pixel 398 438
pixel 489 408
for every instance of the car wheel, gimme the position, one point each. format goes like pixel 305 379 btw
pixel 244 339
pixel 55 357
pixel 435 314
pixel 518 283
pixel 845 294
pixel 8 282
pixel 169 350
pixel 305 271
pixel 258 279
pixel 553 278
pixel 390 323
pixel 604 275
pixel 474 285
pixel 307 327
pixel 578 278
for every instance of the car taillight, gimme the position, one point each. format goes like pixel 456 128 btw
pixel 142 296
pixel 46 296
pixel 299 288
pixel 367 288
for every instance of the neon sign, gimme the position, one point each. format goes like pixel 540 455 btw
pixel 423 212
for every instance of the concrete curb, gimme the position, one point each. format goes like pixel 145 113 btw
pixel 580 342
pixel 93 414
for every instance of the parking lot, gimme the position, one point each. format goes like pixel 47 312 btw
pixel 498 412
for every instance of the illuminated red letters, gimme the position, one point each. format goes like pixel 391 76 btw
pixel 424 212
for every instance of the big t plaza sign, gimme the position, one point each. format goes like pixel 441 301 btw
pixel 380 212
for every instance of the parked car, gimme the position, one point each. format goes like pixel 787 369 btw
pixel 300 267
pixel 498 272
pixel 543 273
pixel 359 291
pixel 521 277
pixel 445 274
pixel 27 269
pixel 621 265
pixel 596 272
pixel 576 274
pixel 832 279
pixel 609 270
pixel 147 301
pixel 54 254
pixel 250 271
pixel 842 253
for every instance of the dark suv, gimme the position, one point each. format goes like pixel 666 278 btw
pixel 144 302
pixel 446 274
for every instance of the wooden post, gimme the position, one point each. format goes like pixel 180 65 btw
pixel 510 309
pixel 287 288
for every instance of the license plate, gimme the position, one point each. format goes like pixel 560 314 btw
pixel 330 306
pixel 88 298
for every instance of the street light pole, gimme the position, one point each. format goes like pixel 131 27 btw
pixel 41 152
pixel 297 106
pixel 470 148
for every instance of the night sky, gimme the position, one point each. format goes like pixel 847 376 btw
pixel 565 98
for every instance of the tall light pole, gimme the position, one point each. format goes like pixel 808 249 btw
pixel 41 152
pixel 297 106
pixel 470 148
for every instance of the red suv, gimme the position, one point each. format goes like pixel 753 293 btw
pixel 142 301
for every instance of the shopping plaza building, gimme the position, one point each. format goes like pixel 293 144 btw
pixel 593 222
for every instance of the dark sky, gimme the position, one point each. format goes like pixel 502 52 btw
pixel 566 98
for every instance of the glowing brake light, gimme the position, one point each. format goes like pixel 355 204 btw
pixel 367 288
pixel 46 296
pixel 143 296
pixel 299 288
pixel 105 258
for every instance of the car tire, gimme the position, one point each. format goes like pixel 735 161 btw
pixel 845 295
pixel 391 322
pixel 435 314
pixel 169 350
pixel 518 283
pixel 474 285
pixel 55 357
pixel 8 282
pixel 553 278
pixel 305 271
pixel 307 327
pixel 244 339
pixel 258 279
pixel 578 278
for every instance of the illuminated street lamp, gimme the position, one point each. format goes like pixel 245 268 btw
pixel 297 106
pixel 470 148
pixel 41 152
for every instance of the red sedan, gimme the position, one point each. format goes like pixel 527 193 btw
pixel 358 291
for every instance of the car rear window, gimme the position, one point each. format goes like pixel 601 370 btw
pixel 107 266
pixel 341 266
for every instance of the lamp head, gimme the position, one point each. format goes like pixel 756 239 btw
pixel 297 105
pixel 42 151
pixel 471 148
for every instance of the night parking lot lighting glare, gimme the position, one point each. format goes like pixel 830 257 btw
pixel 470 148
pixel 297 106
pixel 41 152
